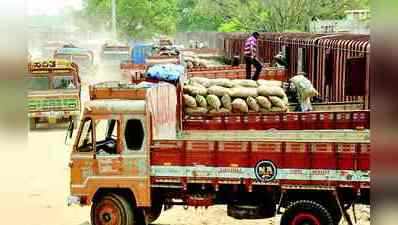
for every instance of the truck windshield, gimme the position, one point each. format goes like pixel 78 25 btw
pixel 80 60
pixel 115 56
pixel 39 83
pixel 63 82
pixel 85 143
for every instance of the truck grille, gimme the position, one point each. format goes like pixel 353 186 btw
pixel 53 104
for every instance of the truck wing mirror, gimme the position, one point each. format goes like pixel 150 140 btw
pixel 69 131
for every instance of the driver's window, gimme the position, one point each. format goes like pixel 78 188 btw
pixel 106 136
pixel 85 143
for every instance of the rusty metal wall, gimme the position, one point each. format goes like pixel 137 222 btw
pixel 315 48
pixel 214 39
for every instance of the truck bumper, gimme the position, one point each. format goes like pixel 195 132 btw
pixel 53 114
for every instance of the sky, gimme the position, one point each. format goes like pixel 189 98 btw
pixel 50 7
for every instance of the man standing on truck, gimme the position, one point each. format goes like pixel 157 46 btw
pixel 250 52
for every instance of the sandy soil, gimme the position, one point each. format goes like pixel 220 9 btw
pixel 38 184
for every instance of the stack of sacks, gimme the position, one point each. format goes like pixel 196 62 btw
pixel 305 91
pixel 192 60
pixel 203 95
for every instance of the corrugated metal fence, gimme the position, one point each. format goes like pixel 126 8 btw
pixel 325 58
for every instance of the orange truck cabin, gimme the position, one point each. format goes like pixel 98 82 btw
pixel 54 91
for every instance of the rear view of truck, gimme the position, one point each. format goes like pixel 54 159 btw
pixel 54 92
pixel 84 58
pixel 113 54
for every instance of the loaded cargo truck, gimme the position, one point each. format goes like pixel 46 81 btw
pixel 54 92
pixel 113 54
pixel 84 58
pixel 136 153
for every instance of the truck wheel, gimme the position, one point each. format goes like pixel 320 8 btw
pixel 112 209
pixel 305 212
pixel 336 215
pixel 153 213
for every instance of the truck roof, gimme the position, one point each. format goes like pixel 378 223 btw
pixel 107 106
pixel 54 65
pixel 73 51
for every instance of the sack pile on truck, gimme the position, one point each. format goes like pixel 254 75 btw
pixel 222 95
pixel 192 60
pixel 305 91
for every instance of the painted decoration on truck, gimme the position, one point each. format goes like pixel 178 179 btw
pixel 265 171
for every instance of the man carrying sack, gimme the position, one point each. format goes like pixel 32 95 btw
pixel 250 52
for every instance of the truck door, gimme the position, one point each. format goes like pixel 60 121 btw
pixel 135 155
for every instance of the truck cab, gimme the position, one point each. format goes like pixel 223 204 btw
pixel 111 153
pixel 54 91
pixel 112 55
pixel 84 58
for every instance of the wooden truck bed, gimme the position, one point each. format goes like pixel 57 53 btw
pixel 238 72
pixel 327 159
pixel 316 120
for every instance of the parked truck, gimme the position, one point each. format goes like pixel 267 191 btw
pixel 113 54
pixel 54 92
pixel 136 153
pixel 84 58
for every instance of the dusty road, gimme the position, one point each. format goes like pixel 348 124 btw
pixel 38 184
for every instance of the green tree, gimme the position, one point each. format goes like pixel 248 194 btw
pixel 144 18
pixel 135 18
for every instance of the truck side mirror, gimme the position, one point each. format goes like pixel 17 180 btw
pixel 69 131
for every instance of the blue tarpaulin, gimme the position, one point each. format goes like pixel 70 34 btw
pixel 165 72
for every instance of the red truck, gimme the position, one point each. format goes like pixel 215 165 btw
pixel 136 153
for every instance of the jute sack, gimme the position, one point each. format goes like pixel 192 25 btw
pixel 226 102
pixel 304 86
pixel 205 82
pixel 189 101
pixel 263 110
pixel 201 101
pixel 278 109
pixel 269 83
pixel 194 89
pixel 223 82
pixel 218 90
pixel 221 110
pixel 264 102
pixel 265 90
pixel 276 101
pixel 240 105
pixel 196 110
pixel 213 102
pixel 252 103
pixel 244 92
pixel 245 83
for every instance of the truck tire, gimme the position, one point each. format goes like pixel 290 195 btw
pixel 305 212
pixel 153 213
pixel 112 209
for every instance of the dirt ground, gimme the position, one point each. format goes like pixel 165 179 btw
pixel 37 188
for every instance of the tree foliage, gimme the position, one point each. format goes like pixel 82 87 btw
pixel 143 18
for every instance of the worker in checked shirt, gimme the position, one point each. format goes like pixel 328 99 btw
pixel 250 52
